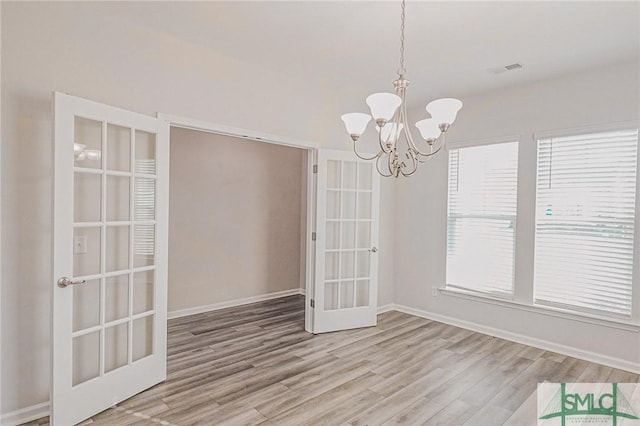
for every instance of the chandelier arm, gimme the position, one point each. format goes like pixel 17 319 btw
pixel 383 144
pixel 365 158
pixel 429 154
pixel 414 161
pixel 383 147
pixel 380 171
pixel 395 165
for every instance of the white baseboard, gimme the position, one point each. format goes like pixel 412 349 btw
pixel 385 308
pixel 618 363
pixel 231 303
pixel 24 415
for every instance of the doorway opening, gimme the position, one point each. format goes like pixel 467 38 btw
pixel 238 221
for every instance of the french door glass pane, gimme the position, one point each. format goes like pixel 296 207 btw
pixel 116 342
pixel 86 257
pixel 116 297
pixel 88 136
pixel 349 175
pixel 117 248
pixel 86 305
pixel 364 176
pixel 332 239
pixel 348 235
pixel 333 174
pixel 333 205
pixel 86 357
pixel 117 198
pixel 143 284
pixel 145 152
pixel 364 235
pixel 330 296
pixel 144 245
pixel 347 265
pixel 118 148
pixel 144 198
pixel 331 266
pixel 363 268
pixel 362 293
pixel 142 337
pixel 87 190
pixel 349 205
pixel 364 205
pixel 346 294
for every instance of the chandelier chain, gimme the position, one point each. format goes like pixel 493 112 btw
pixel 402 69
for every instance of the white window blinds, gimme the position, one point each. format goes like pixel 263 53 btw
pixel 585 212
pixel 483 184
pixel 145 210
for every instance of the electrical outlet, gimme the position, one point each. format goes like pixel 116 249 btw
pixel 80 244
pixel 434 291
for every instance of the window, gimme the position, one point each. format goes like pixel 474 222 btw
pixel 481 222
pixel 585 212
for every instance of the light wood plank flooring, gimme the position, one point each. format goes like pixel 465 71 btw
pixel 255 364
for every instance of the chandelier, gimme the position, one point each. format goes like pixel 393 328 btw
pixel 389 112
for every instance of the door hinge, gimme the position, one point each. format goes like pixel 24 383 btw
pixel 315 168
pixel 313 303
pixel 313 236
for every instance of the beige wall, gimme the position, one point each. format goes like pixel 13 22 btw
pixel 234 218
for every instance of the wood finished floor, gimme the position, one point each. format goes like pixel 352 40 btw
pixel 255 364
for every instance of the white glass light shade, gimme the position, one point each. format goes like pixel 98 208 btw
pixel 355 122
pixel 428 128
pixel 389 132
pixel 93 154
pixel 444 110
pixel 383 105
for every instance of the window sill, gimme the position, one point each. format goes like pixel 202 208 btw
pixel 620 324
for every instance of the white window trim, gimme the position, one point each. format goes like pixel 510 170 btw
pixel 482 142
pixel 634 318
pixel 476 143
pixel 595 128
pixel 525 286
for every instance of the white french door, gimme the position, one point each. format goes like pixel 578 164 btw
pixel 109 314
pixel 346 256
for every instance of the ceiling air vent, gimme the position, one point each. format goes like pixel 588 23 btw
pixel 505 68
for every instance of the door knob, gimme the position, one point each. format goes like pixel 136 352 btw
pixel 66 282
pixel 373 249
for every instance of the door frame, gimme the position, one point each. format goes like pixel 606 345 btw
pixel 312 153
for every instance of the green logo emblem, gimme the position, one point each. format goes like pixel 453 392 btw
pixel 606 401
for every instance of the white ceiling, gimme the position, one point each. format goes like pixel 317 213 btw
pixel 353 46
